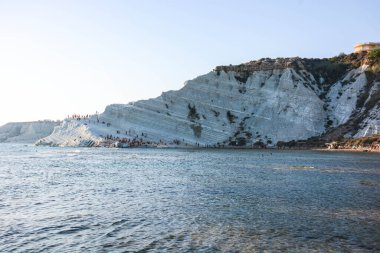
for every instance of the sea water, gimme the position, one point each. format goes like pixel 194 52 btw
pixel 187 200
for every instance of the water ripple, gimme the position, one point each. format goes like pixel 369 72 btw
pixel 147 200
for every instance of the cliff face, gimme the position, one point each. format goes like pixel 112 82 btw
pixel 26 132
pixel 253 104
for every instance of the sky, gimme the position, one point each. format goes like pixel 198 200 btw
pixel 58 57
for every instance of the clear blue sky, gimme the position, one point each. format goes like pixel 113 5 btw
pixel 64 57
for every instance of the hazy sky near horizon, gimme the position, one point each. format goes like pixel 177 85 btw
pixel 77 56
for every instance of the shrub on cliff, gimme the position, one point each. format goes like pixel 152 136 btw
pixel 192 114
pixel 374 54
pixel 231 118
pixel 373 58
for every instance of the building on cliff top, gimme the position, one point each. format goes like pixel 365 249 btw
pixel 366 47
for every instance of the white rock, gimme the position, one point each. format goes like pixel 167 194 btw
pixel 26 132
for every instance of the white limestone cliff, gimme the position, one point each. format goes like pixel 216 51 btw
pixel 258 103
pixel 371 124
pixel 343 95
pixel 26 132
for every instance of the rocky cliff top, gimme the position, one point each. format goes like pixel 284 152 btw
pixel 326 70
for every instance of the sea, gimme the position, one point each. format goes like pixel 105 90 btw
pixel 187 200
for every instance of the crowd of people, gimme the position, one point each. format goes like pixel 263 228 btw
pixel 78 116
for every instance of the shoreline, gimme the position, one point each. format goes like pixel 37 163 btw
pixel 358 150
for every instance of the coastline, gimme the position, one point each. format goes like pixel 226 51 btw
pixel 358 150
pixel 190 147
